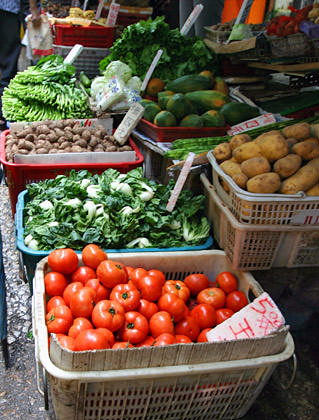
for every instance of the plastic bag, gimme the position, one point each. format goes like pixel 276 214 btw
pixel 110 93
pixel 40 38
pixel 240 32
pixel 130 97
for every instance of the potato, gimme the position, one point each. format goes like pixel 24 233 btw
pixel 255 166
pixel 240 179
pixel 267 183
pixel 222 152
pixel 287 165
pixel 307 150
pixel 260 138
pixel 230 168
pixel 274 147
pixel 312 140
pixel 291 141
pixel 313 191
pixel 246 151
pixel 225 186
pixel 302 180
pixel 238 140
pixel 299 131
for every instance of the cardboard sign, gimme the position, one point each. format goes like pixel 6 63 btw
pixel 258 319
pixel 129 122
pixel 260 121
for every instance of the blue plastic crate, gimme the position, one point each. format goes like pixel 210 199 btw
pixel 30 258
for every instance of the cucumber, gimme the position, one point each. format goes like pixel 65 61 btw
pixel 86 82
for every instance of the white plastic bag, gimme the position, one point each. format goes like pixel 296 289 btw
pixel 110 93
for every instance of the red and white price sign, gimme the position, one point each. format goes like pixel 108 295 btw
pixel 260 121
pixel 258 319
pixel 113 12
pixel 306 217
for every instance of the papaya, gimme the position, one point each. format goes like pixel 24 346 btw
pixel 163 99
pixel 237 112
pixel 154 86
pixel 145 102
pixel 150 111
pixel 205 100
pixel 213 118
pixel 190 83
pixel 179 105
pixel 165 119
pixel 209 74
pixel 221 85
pixel 191 120
pixel 165 93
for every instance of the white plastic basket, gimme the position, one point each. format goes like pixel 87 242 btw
pixel 87 61
pixel 264 209
pixel 255 247
pixel 213 390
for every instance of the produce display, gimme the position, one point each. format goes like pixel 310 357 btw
pixel 113 210
pixel 76 16
pixel 63 136
pixel 108 305
pixel 287 25
pixel 140 42
pixel 45 91
pixel 284 162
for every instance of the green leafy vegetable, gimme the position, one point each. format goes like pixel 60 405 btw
pixel 140 42
pixel 113 210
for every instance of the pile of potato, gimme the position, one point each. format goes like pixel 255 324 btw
pixel 275 162
pixel 63 136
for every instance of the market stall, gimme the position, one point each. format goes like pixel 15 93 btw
pixel 143 192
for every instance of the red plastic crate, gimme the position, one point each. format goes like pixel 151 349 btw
pixel 168 134
pixel 19 175
pixel 88 36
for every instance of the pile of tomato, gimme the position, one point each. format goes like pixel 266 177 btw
pixel 104 304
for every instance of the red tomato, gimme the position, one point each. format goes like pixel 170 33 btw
pixel 147 308
pixel 110 273
pixel 188 326
pixel 93 255
pixel 129 271
pixel 122 345
pixel 178 288
pixel 213 296
pixel 101 291
pixel 172 304
pixel 160 323
pixel 135 327
pixel 137 274
pixel 79 324
pixel 63 260
pixel 82 302
pixel 226 281
pixel 70 289
pixel 59 320
pixel 54 302
pixel 222 314
pixel 127 295
pixel 157 273
pixel 236 300
pixel 150 287
pixel 108 314
pixel 54 283
pixel 147 342
pixel 94 339
pixel 196 282
pixel 202 336
pixel 83 274
pixel 204 315
pixel 182 339
pixel 65 341
pixel 164 340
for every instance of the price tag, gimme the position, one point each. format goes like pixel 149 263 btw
pixel 113 12
pixel 151 69
pixel 129 122
pixel 180 182
pixel 73 54
pixel 99 10
pixel 306 217
pixel 191 19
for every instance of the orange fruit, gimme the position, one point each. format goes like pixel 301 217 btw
pixel 154 86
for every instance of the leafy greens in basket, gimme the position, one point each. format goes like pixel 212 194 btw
pixel 113 210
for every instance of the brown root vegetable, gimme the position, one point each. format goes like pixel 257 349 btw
pixel 65 144
pixel 54 150
pixel 110 149
pixel 313 191
pixel 306 149
pixel 62 140
pixel 260 138
pixel 240 179
pixel 24 133
pixel 76 138
pixel 40 143
pixel 268 183
pixel 22 152
pixel 86 135
pixel 59 132
pixel 274 147
pixel 125 148
pixel 76 148
pixel 302 180
pixel 230 168
pixel 246 151
pixel 222 152
pixel 42 137
pixel 299 131
pixel 42 151
pixel 288 165
pixel 255 166
pixel 68 135
pixel 30 137
pixel 77 130
pixel 28 145
pixel 82 143
pixel 94 141
pixel 238 140
pixel 42 129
